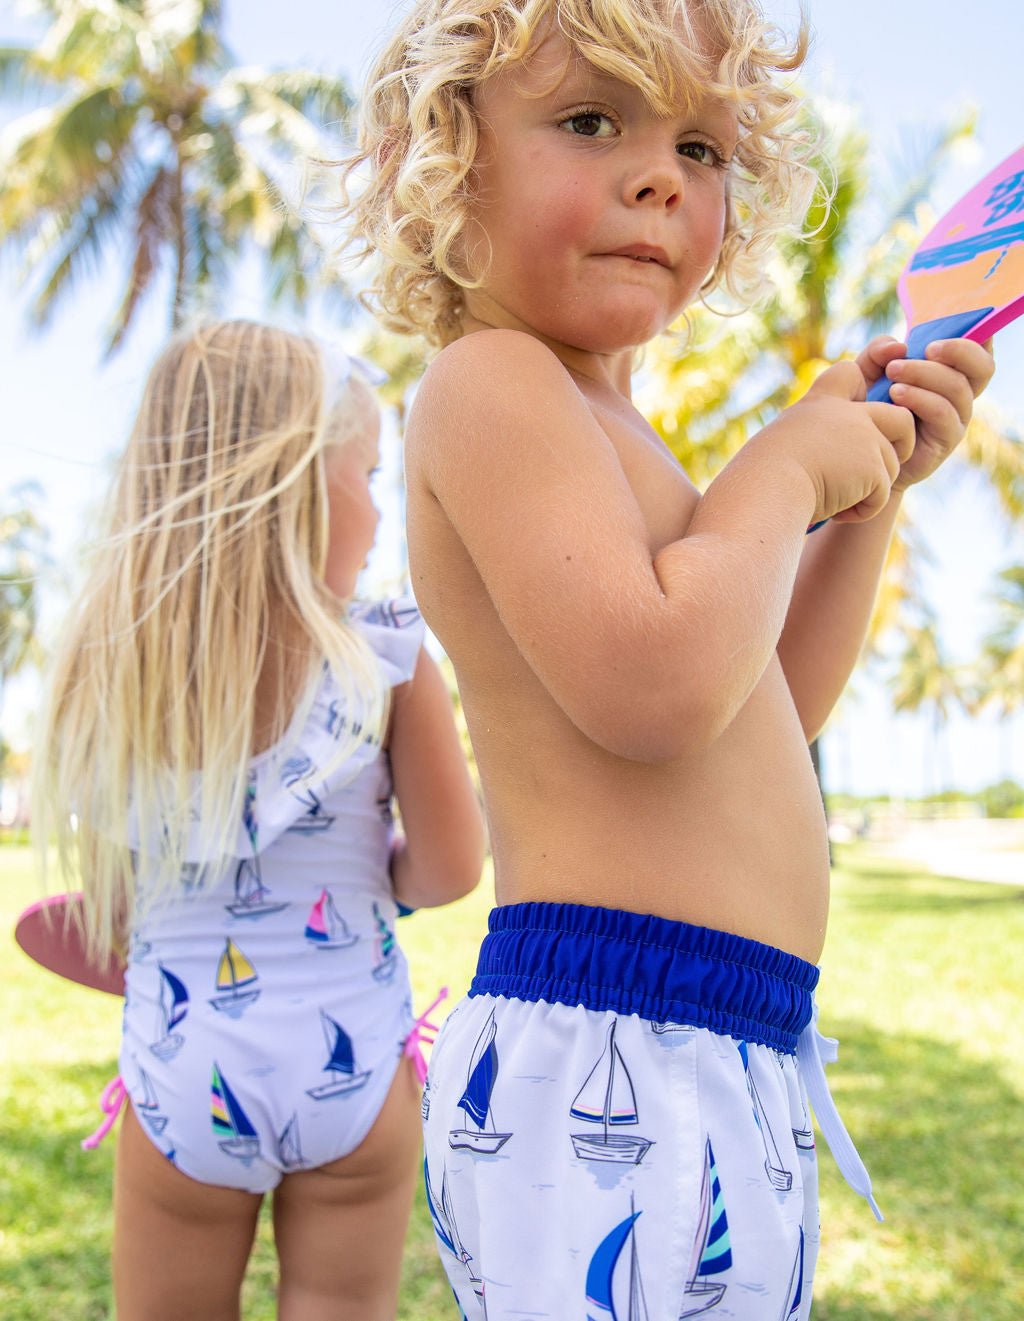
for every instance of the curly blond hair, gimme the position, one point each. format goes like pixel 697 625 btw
pixel 212 558
pixel 406 189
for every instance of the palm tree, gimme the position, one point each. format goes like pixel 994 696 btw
pixel 925 680
pixel 22 558
pixel 159 153
pixel 999 675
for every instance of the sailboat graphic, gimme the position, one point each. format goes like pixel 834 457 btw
pixel 794 1296
pixel 234 974
pixel 482 1137
pixel 325 926
pixel 173 1008
pixel 250 892
pixel 289 1150
pixel 231 1124
pixel 340 1062
pixel 387 949
pixel 780 1178
pixel 601 1275
pixel 607 1098
pixel 711 1249
pixel 447 1231
pixel 295 777
pixel 150 1104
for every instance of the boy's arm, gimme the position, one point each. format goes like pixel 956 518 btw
pixel 650 651
pixel 841 564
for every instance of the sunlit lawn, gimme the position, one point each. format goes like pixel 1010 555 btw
pixel 921 982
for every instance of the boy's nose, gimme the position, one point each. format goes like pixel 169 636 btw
pixel 657 185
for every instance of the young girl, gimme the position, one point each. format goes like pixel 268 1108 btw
pixel 617 1117
pixel 224 737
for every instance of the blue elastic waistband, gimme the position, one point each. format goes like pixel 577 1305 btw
pixel 664 971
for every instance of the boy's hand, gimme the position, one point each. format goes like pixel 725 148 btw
pixel 940 391
pixel 851 450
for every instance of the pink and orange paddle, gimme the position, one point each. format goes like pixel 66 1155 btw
pixel 966 277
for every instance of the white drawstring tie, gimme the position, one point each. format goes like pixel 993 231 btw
pixel 813 1052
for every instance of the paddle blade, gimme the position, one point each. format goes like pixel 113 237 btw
pixel 966 276
pixel 50 933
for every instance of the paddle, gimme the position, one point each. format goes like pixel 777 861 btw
pixel 965 279
pixel 50 932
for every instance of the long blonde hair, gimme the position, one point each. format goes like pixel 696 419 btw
pixel 213 557
pixel 406 190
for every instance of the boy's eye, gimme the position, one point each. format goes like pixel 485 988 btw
pixel 589 124
pixel 700 152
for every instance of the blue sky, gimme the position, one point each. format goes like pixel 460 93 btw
pixel 903 67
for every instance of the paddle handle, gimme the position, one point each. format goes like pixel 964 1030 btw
pixel 943 327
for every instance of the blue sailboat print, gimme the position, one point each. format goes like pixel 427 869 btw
pixel 607 1098
pixel 172 1009
pixel 602 1285
pixel 781 1179
pixel 480 1134
pixel 794 1296
pixel 447 1230
pixel 325 926
pixel 235 982
pixel 295 778
pixel 231 1125
pixel 387 949
pixel 712 1253
pixel 341 1063
pixel 148 1105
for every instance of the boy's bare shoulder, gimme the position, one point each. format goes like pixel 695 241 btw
pixel 487 379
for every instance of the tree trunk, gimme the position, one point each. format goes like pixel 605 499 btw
pixel 816 762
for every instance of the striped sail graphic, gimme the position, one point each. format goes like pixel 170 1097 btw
pixel 231 1125
pixel 712 1254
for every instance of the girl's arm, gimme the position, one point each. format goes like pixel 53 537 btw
pixel 841 564
pixel 439 855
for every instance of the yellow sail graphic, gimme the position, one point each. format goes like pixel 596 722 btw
pixel 234 969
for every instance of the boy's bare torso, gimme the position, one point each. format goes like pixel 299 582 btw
pixel 730 836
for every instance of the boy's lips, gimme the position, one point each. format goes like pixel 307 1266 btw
pixel 643 252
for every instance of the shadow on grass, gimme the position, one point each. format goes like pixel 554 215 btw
pixel 937 1132
pixel 55 1198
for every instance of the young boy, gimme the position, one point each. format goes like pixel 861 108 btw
pixel 551 184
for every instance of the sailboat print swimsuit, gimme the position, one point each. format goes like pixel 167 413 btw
pixel 266 1008
pixel 617 1124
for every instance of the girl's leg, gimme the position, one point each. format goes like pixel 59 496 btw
pixel 180 1246
pixel 340 1229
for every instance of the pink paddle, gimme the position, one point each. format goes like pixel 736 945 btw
pixel 966 277
pixel 50 932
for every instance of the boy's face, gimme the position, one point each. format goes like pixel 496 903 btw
pixel 595 220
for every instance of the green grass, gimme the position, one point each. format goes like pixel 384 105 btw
pixel 920 982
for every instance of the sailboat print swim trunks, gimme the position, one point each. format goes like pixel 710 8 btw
pixel 266 1007
pixel 616 1125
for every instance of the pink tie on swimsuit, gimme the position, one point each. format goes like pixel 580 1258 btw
pixel 423 1034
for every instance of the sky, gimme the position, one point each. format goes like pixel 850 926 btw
pixel 902 67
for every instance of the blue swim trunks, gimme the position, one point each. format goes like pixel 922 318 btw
pixel 617 1125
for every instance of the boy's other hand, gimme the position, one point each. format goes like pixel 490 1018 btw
pixel 939 390
pixel 852 451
